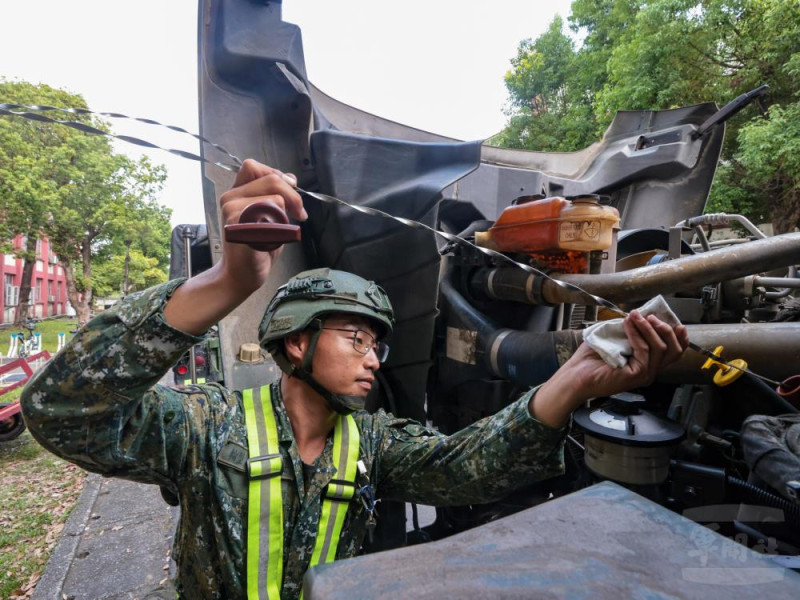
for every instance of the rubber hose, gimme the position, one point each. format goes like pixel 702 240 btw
pixel 774 404
pixel 523 357
pixel 529 358
pixel 762 496
pixel 470 316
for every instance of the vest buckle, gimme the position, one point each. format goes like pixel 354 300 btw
pixel 265 466
pixel 339 490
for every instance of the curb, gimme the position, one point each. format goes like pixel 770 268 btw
pixel 57 567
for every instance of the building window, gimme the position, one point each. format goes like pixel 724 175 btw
pixel 38 246
pixel 37 291
pixel 10 291
pixel 39 266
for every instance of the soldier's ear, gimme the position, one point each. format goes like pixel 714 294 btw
pixel 295 346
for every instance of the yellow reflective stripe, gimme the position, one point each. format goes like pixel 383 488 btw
pixel 345 459
pixel 322 532
pixel 253 499
pixel 341 491
pixel 265 504
pixel 274 549
pixel 189 381
pixel 350 469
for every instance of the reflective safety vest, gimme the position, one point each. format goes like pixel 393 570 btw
pixel 265 503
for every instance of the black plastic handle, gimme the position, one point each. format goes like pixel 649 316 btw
pixel 730 109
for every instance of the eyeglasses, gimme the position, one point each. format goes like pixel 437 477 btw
pixel 363 342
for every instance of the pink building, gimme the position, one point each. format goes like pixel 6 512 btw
pixel 48 284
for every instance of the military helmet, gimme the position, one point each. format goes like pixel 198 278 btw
pixel 313 294
pixel 301 304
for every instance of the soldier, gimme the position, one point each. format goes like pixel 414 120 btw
pixel 273 480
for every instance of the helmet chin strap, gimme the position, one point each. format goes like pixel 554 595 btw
pixel 344 404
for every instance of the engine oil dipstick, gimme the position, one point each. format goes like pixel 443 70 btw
pixel 727 371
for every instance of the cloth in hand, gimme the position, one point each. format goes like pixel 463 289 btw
pixel 608 338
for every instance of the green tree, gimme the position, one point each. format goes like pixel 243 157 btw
pixel 71 187
pixel 769 151
pixel 660 61
pixel 680 52
pixel 601 24
pixel 659 54
pixel 28 194
pixel 142 272
pixel 102 200
pixel 140 227
pixel 549 110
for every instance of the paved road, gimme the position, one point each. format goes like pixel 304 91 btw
pixel 115 545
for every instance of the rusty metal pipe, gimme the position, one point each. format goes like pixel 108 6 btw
pixel 770 349
pixel 682 274
pixel 781 282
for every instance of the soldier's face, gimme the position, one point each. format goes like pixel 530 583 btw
pixel 337 365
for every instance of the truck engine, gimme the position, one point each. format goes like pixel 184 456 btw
pixel 622 220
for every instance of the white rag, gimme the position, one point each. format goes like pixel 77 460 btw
pixel 608 338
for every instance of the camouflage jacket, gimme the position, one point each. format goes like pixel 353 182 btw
pixel 97 404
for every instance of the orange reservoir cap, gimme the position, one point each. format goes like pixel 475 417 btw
pixel 582 224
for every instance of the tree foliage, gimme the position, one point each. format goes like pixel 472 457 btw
pixel 93 204
pixel 658 54
pixel 549 108
pixel 143 272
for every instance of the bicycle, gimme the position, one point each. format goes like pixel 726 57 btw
pixel 27 345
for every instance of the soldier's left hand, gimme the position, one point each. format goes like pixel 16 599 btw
pixel 655 345
pixel 585 375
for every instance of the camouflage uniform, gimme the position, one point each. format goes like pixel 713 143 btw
pixel 97 404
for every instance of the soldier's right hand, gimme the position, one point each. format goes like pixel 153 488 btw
pixel 256 182
pixel 208 297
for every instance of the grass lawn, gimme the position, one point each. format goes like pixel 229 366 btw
pixel 49 330
pixel 37 493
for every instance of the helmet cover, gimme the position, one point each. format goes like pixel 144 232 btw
pixel 313 294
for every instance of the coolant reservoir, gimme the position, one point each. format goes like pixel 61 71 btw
pixel 582 224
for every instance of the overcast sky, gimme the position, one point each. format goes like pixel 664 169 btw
pixel 436 65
